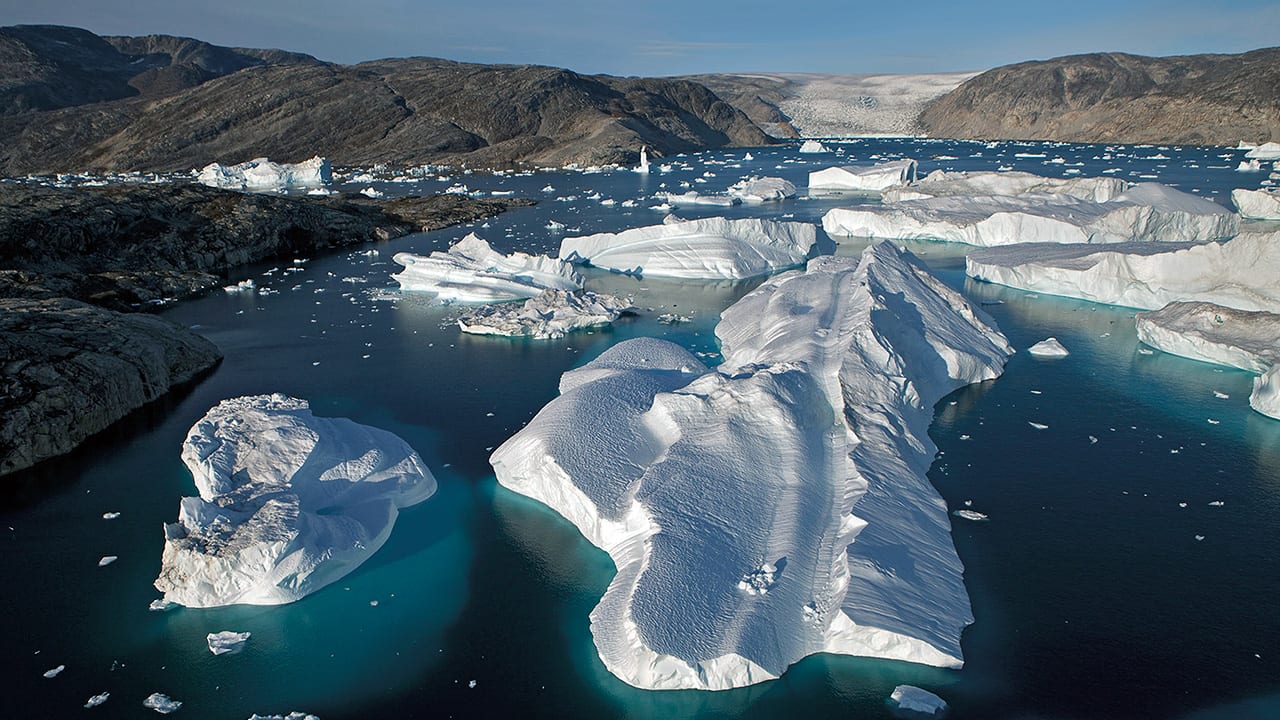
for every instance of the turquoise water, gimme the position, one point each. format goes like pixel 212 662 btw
pixel 1093 597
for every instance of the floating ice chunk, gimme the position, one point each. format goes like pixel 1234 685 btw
pixel 160 605
pixel 643 167
pixel 693 197
pixel 808 444
pixel 161 703
pixel 910 701
pixel 372 192
pixel 291 716
pixel 754 191
pixel 242 286
pixel 1249 166
pixel 973 515
pixel 471 271
pixel 1220 395
pixel 1049 347
pixel 53 673
pixel 941 183
pixel 708 248
pixel 262 174
pixel 1257 204
pixel 553 314
pixel 288 503
pixel 1265 151
pixel 110 515
pixel 1038 426
pixel 107 560
pixel 1243 272
pixel 812 146
pixel 97 700
pixel 864 179
pixel 227 642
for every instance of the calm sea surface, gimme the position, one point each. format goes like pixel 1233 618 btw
pixel 1094 594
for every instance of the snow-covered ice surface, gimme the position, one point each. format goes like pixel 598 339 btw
pixel 288 502
pixel 910 701
pixel 852 178
pixel 756 190
pixel 262 174
pixel 1049 347
pixel 823 105
pixel 553 314
pixel 1243 272
pixel 776 506
pixel 942 183
pixel 1249 340
pixel 471 271
pixel 714 248
pixel 1257 204
pixel 227 642
pixel 1146 212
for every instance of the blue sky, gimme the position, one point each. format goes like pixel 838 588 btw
pixel 668 37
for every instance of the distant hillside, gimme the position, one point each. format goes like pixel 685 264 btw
pixel 70 100
pixel 1114 97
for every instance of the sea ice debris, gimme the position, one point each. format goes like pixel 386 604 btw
pixel 161 703
pixel 97 700
pixel 54 672
pixel 227 642
pixel 107 560
pixel 910 701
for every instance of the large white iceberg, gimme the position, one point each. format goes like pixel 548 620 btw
pixel 471 271
pixel 551 315
pixel 864 179
pixel 262 174
pixel 909 701
pixel 693 197
pixel 942 183
pixel 1146 212
pixel 1257 204
pixel 1265 151
pixel 709 248
pixel 756 190
pixel 776 506
pixel 1243 272
pixel 288 502
pixel 1249 340
pixel 812 146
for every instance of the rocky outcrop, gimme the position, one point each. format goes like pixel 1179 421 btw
pixel 1114 97
pixel 205 104
pixel 68 370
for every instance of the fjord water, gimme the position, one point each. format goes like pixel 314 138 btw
pixel 1104 585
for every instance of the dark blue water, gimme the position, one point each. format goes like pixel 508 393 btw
pixel 1093 597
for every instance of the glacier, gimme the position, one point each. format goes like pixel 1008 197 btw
pixel 288 502
pixel 943 183
pixel 713 248
pixel 1257 204
pixel 864 179
pixel 1243 272
pixel 1146 212
pixel 473 272
pixel 775 506
pixel 550 315
pixel 262 174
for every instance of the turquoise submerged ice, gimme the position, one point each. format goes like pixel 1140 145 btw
pixel 776 506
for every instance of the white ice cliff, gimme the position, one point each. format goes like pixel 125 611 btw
pixel 777 505
pixel 553 314
pixel 288 502
pixel 1243 272
pixel 471 271
pixel 864 179
pixel 709 248
pixel 1146 212
pixel 942 183
pixel 262 174
pixel 1257 204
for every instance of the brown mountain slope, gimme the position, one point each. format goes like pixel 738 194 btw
pixel 1114 97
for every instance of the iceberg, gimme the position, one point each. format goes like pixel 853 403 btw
pixel 1242 273
pixel 812 146
pixel 551 315
pixel 1146 212
pixel 295 715
pixel 1248 340
pixel 709 248
pixel 227 642
pixel 1049 347
pixel 754 191
pixel 643 168
pixel 1265 151
pixel 941 183
pixel 693 197
pixel 288 502
pixel 1257 204
pixel 910 701
pixel 776 506
pixel 97 700
pixel 262 174
pixel 864 179
pixel 161 703
pixel 1249 166
pixel 471 271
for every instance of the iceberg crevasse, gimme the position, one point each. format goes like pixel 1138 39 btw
pixel 471 271
pixel 262 174
pixel 776 506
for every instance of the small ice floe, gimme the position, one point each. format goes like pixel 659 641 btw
pixel 1146 351
pixel 1049 347
pixel 1038 426
pixel 107 560
pixel 1092 440
pixel 1199 538
pixel 54 672
pixel 161 703
pixel 227 642
pixel 160 605
pixel 242 286
pixel 1211 421
pixel 1216 503
pixel 295 715
pixel 471 684
pixel 110 515
pixel 973 515
pixel 909 701
pixel 673 319
pixel 374 193
pixel 760 580
pixel 97 700
pixel 1220 395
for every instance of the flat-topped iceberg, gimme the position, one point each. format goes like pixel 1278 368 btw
pixel 1249 340
pixel 1257 204
pixel 1243 272
pixel 864 179
pixel 1146 212
pixel 776 506
pixel 709 248
pixel 1265 151
pixel 262 174
pixel 553 314
pixel 942 183
pixel 471 271
pixel 909 701
pixel 693 197
pixel 757 190
pixel 288 502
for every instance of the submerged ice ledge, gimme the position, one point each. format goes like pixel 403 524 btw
pixel 776 506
